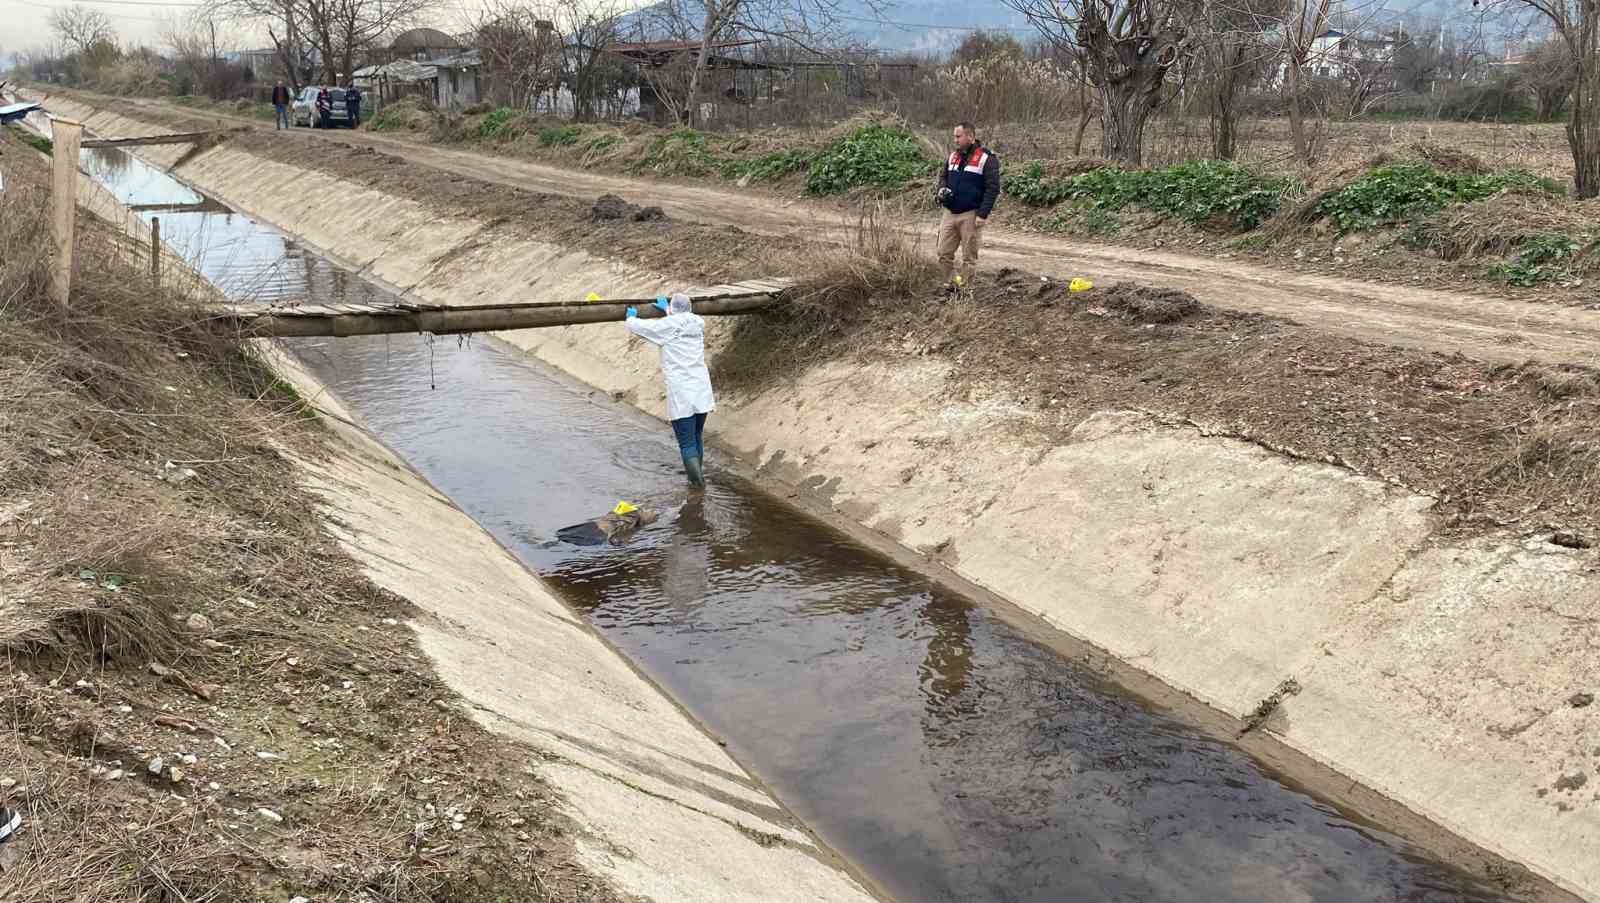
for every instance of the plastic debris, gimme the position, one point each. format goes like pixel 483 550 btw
pixel 1079 285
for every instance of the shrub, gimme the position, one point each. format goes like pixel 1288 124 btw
pixel 1541 258
pixel 1392 193
pixel 771 166
pixel 873 155
pixel 600 142
pixel 1198 192
pixel 38 142
pixel 559 135
pixel 680 152
pixel 499 123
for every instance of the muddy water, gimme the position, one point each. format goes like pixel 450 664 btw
pixel 950 756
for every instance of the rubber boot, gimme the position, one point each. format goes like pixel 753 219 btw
pixel 693 467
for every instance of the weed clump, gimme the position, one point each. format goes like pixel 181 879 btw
pixel 560 135
pixel 1400 191
pixel 1202 192
pixel 770 167
pixel 882 271
pixel 872 156
pixel 1540 258
pixel 683 152
pixel 503 122
pixel 1150 304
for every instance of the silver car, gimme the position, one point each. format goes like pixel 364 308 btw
pixel 304 110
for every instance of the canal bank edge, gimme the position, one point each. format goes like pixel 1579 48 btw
pixel 665 814
pixel 1317 602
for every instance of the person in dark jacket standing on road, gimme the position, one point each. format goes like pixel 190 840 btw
pixel 352 103
pixel 280 102
pixel 324 109
pixel 969 184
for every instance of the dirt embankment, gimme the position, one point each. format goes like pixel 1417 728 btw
pixel 205 699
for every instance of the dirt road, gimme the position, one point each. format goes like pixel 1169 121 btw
pixel 1481 327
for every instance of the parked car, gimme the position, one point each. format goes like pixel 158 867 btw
pixel 304 110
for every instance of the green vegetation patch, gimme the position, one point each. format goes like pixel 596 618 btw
pixel 1540 258
pixel 769 167
pixel 1199 192
pixel 560 135
pixel 37 142
pixel 501 122
pixel 873 155
pixel 1403 190
pixel 388 119
pixel 681 152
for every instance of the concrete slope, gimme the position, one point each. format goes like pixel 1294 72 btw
pixel 1484 327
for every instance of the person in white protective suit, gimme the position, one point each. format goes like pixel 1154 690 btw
pixel 682 338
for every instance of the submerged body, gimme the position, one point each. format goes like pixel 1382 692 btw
pixel 610 528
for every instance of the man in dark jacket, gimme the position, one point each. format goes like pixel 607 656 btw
pixel 324 109
pixel 352 103
pixel 969 184
pixel 280 102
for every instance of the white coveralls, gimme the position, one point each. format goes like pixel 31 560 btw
pixel 682 338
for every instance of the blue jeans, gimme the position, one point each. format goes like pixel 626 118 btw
pixel 283 115
pixel 689 430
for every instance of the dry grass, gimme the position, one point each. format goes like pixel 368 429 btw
pixel 1149 304
pixel 143 482
pixel 1497 226
pixel 883 272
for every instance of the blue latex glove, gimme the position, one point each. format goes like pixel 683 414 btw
pixel 661 302
pixel 633 312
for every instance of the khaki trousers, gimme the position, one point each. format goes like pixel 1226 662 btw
pixel 959 230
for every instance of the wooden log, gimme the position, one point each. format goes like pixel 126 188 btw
pixel 171 138
pixel 155 251
pixel 453 321
pixel 65 135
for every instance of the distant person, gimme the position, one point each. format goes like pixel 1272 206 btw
pixel 352 102
pixel 324 108
pixel 280 102
pixel 682 338
pixel 969 184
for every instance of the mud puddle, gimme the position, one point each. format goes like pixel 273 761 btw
pixel 950 756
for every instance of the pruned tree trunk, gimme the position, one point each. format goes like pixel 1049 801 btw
pixel 1224 100
pixel 1129 73
pixel 1297 117
pixel 1125 107
pixel 1085 109
pixel 1583 131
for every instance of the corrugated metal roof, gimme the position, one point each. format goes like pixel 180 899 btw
pixel 16 111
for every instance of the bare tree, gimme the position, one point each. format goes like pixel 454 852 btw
pixel 595 78
pixel 196 42
pixel 1304 22
pixel 808 24
pixel 1230 52
pixel 1549 72
pixel 1577 25
pixel 1127 47
pixel 521 51
pixel 337 29
pixel 81 28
